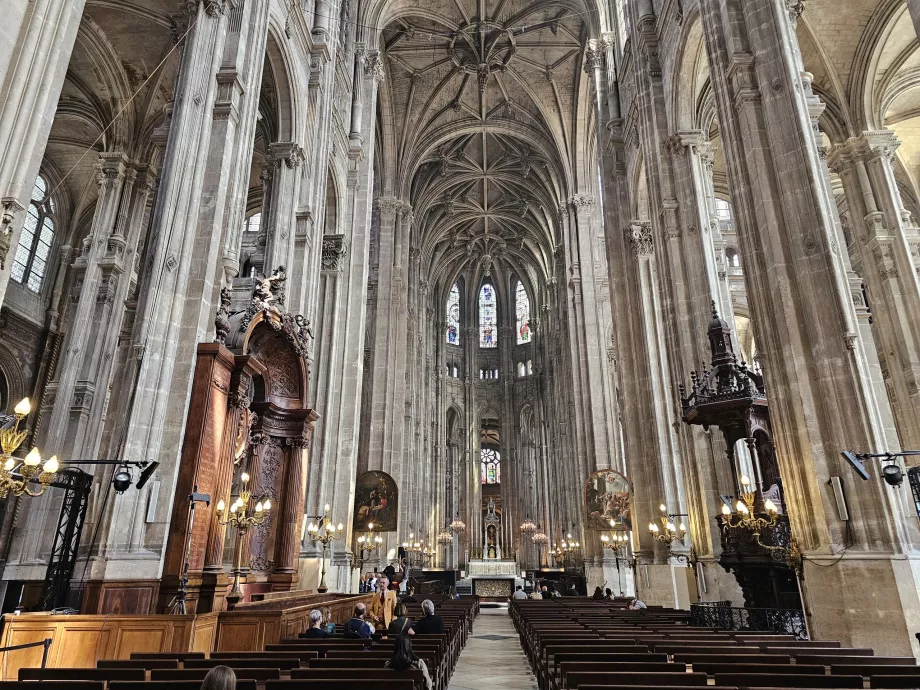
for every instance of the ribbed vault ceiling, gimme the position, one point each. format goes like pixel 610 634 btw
pixel 478 113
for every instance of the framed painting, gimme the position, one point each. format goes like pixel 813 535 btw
pixel 607 498
pixel 376 501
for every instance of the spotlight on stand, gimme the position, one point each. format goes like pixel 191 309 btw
pixel 892 475
pixel 121 480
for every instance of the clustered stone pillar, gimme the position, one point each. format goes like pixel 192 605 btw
pixel 885 244
pixel 803 312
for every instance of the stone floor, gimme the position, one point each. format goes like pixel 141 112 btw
pixel 493 657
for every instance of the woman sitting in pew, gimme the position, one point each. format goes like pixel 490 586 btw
pixel 401 624
pixel 219 678
pixel 316 626
pixel 404 659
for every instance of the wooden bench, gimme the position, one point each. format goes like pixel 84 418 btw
pixel 360 676
pixel 886 681
pixel 54 684
pixel 787 680
pixel 302 654
pixel 138 663
pixel 874 670
pixel 402 683
pixel 257 674
pixel 268 662
pixel 172 685
pixel 103 674
pixel 578 678
pixel 179 656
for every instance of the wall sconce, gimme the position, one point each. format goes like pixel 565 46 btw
pixel 672 531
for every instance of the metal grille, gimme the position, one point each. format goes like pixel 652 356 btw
pixel 719 615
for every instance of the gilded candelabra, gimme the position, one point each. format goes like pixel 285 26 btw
pixel 16 474
pixel 458 526
pixel 325 533
pixel 746 517
pixel 540 540
pixel 240 519
pixel 368 545
pixel 672 531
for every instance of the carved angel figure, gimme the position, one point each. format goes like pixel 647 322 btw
pixel 270 289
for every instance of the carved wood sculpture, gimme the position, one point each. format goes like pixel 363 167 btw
pixel 248 412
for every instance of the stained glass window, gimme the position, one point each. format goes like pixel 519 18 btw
pixel 34 250
pixel 488 319
pixel 453 316
pixel 490 466
pixel 522 302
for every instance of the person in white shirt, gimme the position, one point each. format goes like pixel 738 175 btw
pixel 519 593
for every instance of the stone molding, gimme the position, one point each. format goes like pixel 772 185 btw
pixel 335 249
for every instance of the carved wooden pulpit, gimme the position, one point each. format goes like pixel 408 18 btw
pixel 248 412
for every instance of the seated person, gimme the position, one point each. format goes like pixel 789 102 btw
pixel 637 605
pixel 598 594
pixel 519 593
pixel 404 659
pixel 536 595
pixel 401 623
pixel 219 678
pixel 429 624
pixel 608 594
pixel 357 627
pixel 316 626
pixel 409 596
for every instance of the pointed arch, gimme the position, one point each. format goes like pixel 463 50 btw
pixel 488 316
pixel 453 315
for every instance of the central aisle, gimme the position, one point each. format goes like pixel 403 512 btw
pixel 493 657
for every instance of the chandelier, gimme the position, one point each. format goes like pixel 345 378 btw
pixel 539 538
pixel 528 526
pixel 458 526
pixel 16 474
pixel 445 538
pixel 744 515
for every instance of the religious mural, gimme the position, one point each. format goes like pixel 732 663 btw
pixel 376 501
pixel 606 499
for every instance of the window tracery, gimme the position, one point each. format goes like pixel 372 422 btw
pixel 490 466
pixel 34 249
pixel 488 320
pixel 522 307
pixel 453 316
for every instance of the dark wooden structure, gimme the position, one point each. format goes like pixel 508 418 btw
pixel 732 397
pixel 248 412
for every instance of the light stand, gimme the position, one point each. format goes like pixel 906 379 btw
pixel 325 533
pixel 240 519
pixel 177 606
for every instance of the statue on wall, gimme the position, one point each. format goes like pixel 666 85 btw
pixel 269 290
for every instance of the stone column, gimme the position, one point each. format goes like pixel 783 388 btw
pixel 104 270
pixel 279 251
pixel 885 242
pixel 341 305
pixel 36 42
pixel 202 156
pixel 820 398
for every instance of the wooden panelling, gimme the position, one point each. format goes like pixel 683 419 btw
pixel 122 597
pixel 80 641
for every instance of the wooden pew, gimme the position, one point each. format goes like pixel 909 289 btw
pixel 281 663
pixel 103 674
pixel 259 675
pixel 787 680
pixel 577 679
pixel 138 663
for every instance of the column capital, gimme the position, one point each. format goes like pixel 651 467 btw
pixel 582 204
pixel 111 167
pixel 373 65
pixel 871 144
pixel 388 206
pixel 288 154
pixel 639 238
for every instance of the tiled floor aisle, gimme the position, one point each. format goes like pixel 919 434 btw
pixel 493 657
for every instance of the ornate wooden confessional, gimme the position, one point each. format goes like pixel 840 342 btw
pixel 248 412
pixel 732 397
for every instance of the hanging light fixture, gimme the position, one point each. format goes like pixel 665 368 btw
pixel 457 526
pixel 528 526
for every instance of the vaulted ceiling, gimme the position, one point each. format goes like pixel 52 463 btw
pixel 478 117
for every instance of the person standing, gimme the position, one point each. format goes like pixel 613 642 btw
pixel 383 604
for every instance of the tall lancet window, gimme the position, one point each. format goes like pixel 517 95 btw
pixel 35 242
pixel 453 316
pixel 488 319
pixel 490 466
pixel 522 303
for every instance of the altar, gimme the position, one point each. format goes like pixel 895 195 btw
pixel 493 578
